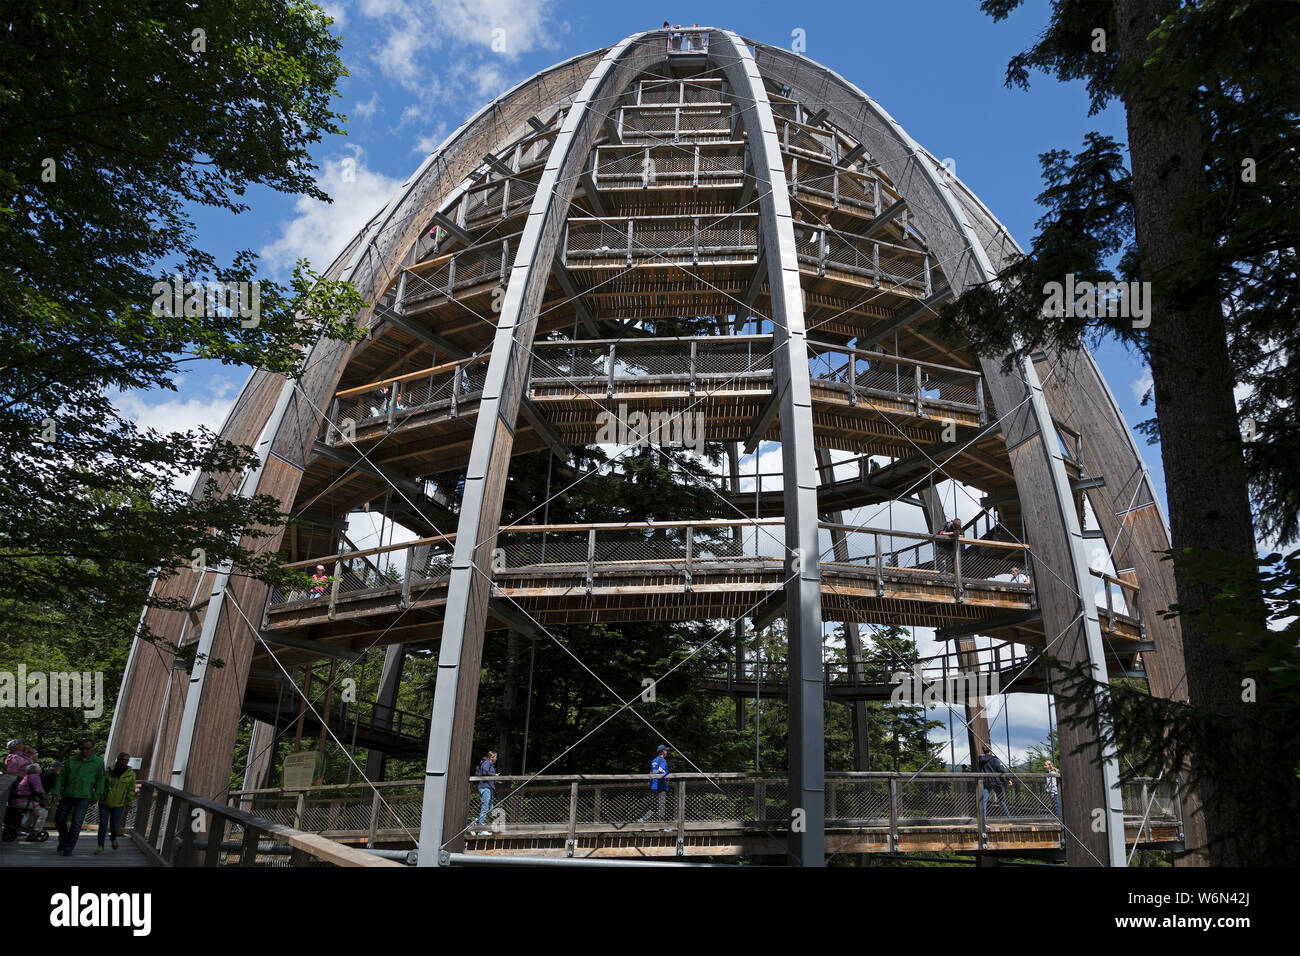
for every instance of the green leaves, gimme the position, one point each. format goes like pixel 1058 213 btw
pixel 115 121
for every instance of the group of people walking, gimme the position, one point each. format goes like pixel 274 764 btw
pixel 69 786
pixel 487 768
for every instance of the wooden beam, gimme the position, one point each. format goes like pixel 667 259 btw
pixel 444 346
pixel 990 624
pixel 574 297
pixel 885 218
pixel 451 226
pixel 908 316
pixel 763 422
pixel 316 647
pixel 498 165
pixel 535 417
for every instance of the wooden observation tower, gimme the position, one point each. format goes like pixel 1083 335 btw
pixel 515 281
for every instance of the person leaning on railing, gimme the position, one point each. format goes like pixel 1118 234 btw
pixel 1053 786
pixel 947 558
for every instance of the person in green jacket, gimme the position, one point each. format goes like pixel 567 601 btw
pixel 119 791
pixel 80 781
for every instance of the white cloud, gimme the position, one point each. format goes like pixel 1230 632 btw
pixel 336 11
pixel 168 412
pixel 397 56
pixel 517 25
pixel 319 230
pixel 369 108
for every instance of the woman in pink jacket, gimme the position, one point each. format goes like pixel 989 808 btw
pixel 30 795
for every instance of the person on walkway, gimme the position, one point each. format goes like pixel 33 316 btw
pixel 319 580
pixel 28 795
pixel 49 776
pixel 658 785
pixel 79 782
pixel 990 764
pixel 1053 787
pixel 16 761
pixel 119 791
pixel 945 551
pixel 1018 576
pixel 487 767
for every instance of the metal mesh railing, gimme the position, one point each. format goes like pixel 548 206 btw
pixel 620 803
pixel 865 375
pixel 726 238
pixel 689 123
pixel 879 552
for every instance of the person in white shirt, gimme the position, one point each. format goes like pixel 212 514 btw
pixel 1053 786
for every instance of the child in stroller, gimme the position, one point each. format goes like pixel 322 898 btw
pixel 25 814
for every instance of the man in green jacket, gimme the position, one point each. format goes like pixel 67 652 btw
pixel 80 781
pixel 119 791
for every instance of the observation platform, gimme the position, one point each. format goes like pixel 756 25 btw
pixel 670 571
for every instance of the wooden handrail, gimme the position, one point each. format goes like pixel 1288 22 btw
pixel 649 526
pixel 1126 585
pixel 896 359
pixel 412 376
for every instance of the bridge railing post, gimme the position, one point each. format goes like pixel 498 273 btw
pixel 156 820
pixel 143 809
pixel 573 819
pixel 980 821
pixel 681 816
pixel 591 558
pixel 373 830
pixel 334 586
pixel 406 578
pixel 893 814
pixel 690 535
pixel 880 566
pixel 956 567
pixel 216 834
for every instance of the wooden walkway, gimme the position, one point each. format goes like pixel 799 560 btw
pixel 21 853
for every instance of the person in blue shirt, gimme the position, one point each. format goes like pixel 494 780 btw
pixel 658 784
pixel 487 767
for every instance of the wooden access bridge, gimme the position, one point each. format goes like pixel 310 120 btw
pixel 727 815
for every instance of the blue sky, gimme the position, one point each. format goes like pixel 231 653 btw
pixel 419 68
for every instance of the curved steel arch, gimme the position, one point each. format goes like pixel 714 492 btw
pixel 806 730
pixel 1066 594
pixel 451 729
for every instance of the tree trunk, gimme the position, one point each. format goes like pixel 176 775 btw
pixel 1205 475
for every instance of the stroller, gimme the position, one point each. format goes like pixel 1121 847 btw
pixel 21 816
